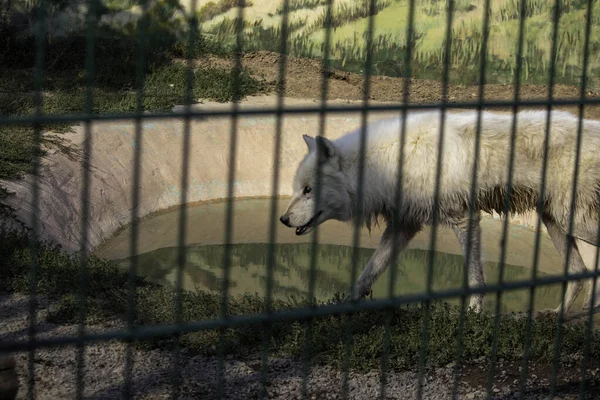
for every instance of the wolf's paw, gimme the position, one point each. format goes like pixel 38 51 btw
pixel 476 305
pixel 359 295
pixel 348 298
pixel 477 308
pixel 587 307
pixel 546 313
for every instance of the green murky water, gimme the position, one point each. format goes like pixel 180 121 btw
pixel 291 272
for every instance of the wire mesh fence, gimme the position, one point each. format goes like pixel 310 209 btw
pixel 578 222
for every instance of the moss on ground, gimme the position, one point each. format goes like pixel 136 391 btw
pixel 58 276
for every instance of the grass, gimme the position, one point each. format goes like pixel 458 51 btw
pixel 59 276
pixel 164 87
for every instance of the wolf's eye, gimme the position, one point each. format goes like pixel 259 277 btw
pixel 307 189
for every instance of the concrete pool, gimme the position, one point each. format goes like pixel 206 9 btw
pixel 157 256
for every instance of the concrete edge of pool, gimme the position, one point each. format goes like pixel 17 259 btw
pixel 112 164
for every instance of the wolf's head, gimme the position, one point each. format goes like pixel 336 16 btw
pixel 304 212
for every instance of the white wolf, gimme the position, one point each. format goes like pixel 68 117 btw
pixel 339 163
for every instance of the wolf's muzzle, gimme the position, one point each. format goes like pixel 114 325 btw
pixel 285 220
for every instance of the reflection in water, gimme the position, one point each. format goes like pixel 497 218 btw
pixel 292 267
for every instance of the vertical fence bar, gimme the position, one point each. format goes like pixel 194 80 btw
pixel 91 25
pixel 40 41
pixel 185 167
pixel 273 220
pixel 137 160
pixel 235 88
pixel 507 197
pixel 474 195
pixel 306 354
pixel 436 198
pixel 359 212
pixel 540 208
pixel 557 344
pixel 590 321
pixel 398 196
pixel 582 95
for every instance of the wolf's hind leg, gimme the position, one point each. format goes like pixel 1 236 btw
pixel 576 265
pixel 475 267
pixel 591 290
pixel 587 303
pixel 382 257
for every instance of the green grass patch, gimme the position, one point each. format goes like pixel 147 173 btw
pixel 164 87
pixel 58 276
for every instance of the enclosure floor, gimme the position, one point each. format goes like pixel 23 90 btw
pixel 55 371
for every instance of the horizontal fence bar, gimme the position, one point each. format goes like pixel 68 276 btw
pixel 48 119
pixel 150 331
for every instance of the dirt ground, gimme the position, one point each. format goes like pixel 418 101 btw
pixel 55 369
pixel 303 79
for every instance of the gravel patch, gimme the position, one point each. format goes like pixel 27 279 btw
pixel 104 372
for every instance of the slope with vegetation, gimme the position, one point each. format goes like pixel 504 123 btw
pixel 306 19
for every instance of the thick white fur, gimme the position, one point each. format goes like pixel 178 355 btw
pixel 339 163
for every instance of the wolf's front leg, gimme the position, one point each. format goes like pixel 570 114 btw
pixel 471 248
pixel 562 241
pixel 382 257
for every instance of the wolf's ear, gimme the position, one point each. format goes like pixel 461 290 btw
pixel 310 142
pixel 326 149
pixel 326 146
